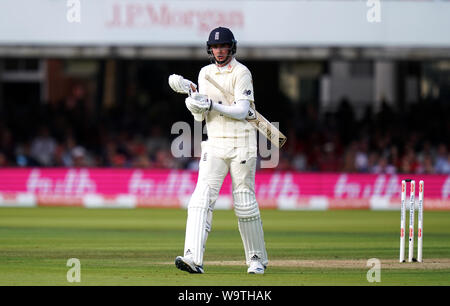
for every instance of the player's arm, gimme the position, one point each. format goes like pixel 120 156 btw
pixel 198 112
pixel 238 110
pixel 198 104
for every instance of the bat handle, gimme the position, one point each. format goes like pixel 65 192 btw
pixel 192 89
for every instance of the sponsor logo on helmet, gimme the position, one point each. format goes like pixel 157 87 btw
pixel 216 36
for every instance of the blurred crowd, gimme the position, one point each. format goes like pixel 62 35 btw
pixel 72 134
pixel 411 141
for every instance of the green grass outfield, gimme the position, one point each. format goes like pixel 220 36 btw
pixel 138 247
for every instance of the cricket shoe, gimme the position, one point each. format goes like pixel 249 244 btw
pixel 187 264
pixel 256 267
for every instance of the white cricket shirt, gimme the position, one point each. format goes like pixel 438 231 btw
pixel 236 79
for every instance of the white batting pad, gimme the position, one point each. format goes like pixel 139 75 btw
pixel 198 225
pixel 250 226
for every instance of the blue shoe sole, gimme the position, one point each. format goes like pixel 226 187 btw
pixel 180 264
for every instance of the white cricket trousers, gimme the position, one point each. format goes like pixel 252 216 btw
pixel 215 163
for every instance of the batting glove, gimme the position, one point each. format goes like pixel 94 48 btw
pixel 181 85
pixel 198 103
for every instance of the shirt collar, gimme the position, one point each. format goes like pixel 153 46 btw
pixel 228 68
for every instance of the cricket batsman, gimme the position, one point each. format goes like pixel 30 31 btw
pixel 231 147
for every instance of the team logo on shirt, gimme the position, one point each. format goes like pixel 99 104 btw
pixel 247 92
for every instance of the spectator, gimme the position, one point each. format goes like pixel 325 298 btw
pixel 384 166
pixel 362 157
pixel 23 156
pixel 372 162
pixel 43 147
pixel 394 155
pixel 3 160
pixel 445 167
pixel 427 151
pixel 141 161
pixel 299 162
pixel 349 158
pixel 156 140
pixel 79 157
pixel 329 161
pixel 441 159
pixel 409 163
pixel 426 166
pixel 6 145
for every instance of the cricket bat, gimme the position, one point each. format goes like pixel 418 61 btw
pixel 257 120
